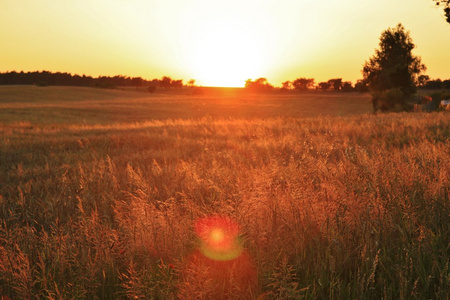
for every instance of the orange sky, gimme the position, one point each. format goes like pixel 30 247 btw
pixel 215 42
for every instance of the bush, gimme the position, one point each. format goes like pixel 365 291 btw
pixel 391 97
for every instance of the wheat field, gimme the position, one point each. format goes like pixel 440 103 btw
pixel 100 192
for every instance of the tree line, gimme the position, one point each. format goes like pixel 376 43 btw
pixel 307 84
pixel 337 84
pixel 424 82
pixel 45 78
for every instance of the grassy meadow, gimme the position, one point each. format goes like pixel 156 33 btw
pixel 100 191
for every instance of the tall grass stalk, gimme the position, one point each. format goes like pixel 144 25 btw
pixel 329 207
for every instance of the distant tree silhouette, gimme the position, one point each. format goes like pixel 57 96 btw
pixel 303 84
pixel 177 83
pixel 165 82
pixel 287 85
pixel 446 5
pixel 260 84
pixel 336 84
pixel 137 82
pixel 391 74
pixel 361 86
pixel 433 84
pixel 446 84
pixel 423 80
pixel 45 78
pixel 104 82
pixel 347 86
pixel 191 83
pixel 324 86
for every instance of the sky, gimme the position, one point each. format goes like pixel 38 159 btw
pixel 216 43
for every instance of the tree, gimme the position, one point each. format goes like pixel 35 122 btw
pixel 361 86
pixel 423 80
pixel 347 86
pixel 191 83
pixel 446 5
pixel 324 86
pixel 303 84
pixel 434 84
pixel 165 82
pixel 177 83
pixel 260 84
pixel 137 82
pixel 393 67
pixel 287 85
pixel 446 84
pixel 336 84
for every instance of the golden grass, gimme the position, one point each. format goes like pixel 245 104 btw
pixel 351 207
pixel 74 105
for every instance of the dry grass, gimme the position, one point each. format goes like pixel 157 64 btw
pixel 75 105
pixel 351 207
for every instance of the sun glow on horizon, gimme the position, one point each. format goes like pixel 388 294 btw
pixel 216 43
pixel 225 56
pixel 223 47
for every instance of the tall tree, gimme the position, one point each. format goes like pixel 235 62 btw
pixel 392 72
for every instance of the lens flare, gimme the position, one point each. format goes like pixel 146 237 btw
pixel 219 238
pixel 217 235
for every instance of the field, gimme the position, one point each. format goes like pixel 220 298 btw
pixel 102 191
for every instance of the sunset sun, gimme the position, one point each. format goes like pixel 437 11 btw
pixel 225 47
pixel 225 55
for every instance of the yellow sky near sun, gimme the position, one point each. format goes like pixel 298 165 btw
pixel 214 42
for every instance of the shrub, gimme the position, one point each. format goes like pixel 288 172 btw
pixel 391 97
